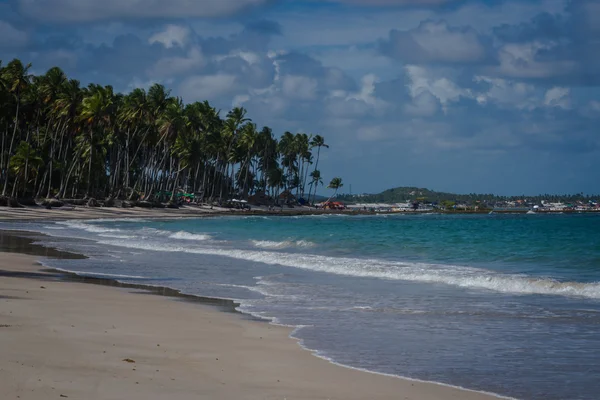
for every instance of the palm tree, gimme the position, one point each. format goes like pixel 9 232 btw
pixel 16 79
pixel 335 183
pixel 25 162
pixel 59 138
pixel 318 141
pixel 96 114
pixel 316 180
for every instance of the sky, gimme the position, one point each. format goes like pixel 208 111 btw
pixel 465 96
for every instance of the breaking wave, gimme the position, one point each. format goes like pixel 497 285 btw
pixel 268 244
pixel 182 235
pixel 87 227
pixel 454 275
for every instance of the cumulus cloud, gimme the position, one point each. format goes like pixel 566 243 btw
pixel 525 61
pixel 367 91
pixel 435 42
pixel 174 66
pixel 299 87
pixel 506 93
pixel 424 104
pixel 94 10
pixel 422 80
pixel 558 97
pixel 171 36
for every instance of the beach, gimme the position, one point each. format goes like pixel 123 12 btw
pixel 62 339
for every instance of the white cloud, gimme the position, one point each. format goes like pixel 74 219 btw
pixel 173 35
pixel 366 91
pixel 422 80
pixel 250 57
pixel 423 105
pixel 94 10
pixel 11 36
pixel 558 97
pixel 299 87
pixel 207 87
pixel 239 100
pixel 173 66
pixel 520 61
pixel 508 94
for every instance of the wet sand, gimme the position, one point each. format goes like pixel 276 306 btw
pixel 65 339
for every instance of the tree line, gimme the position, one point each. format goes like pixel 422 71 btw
pixel 403 194
pixel 62 140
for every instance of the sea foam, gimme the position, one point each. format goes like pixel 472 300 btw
pixel 454 275
pixel 268 244
pixel 182 235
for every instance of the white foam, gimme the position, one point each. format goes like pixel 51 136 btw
pixel 182 235
pixel 268 244
pixel 75 224
pixel 99 274
pixel 110 235
pixel 454 275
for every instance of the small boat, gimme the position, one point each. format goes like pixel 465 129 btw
pixel 531 212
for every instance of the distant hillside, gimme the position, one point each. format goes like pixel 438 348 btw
pixel 403 194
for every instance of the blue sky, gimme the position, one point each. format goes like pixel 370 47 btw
pixel 454 95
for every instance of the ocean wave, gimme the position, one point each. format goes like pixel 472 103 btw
pixel 454 275
pixel 81 225
pixel 324 215
pixel 268 244
pixel 182 235
pixel 111 235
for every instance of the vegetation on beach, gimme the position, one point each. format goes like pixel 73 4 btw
pixel 62 140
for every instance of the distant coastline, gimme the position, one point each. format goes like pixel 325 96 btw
pixel 82 212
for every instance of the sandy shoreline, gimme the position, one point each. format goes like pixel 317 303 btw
pixel 82 212
pixel 71 339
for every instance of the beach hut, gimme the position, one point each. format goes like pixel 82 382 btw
pixel 287 197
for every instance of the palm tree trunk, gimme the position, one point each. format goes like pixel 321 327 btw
pixel 12 140
pixel 26 166
pixel 174 187
pixel 316 167
pixel 90 163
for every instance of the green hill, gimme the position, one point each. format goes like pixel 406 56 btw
pixel 404 194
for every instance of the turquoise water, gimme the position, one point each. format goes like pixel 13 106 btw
pixel 508 304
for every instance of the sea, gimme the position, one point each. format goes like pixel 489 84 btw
pixel 506 304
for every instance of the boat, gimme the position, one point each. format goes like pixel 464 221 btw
pixel 531 212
